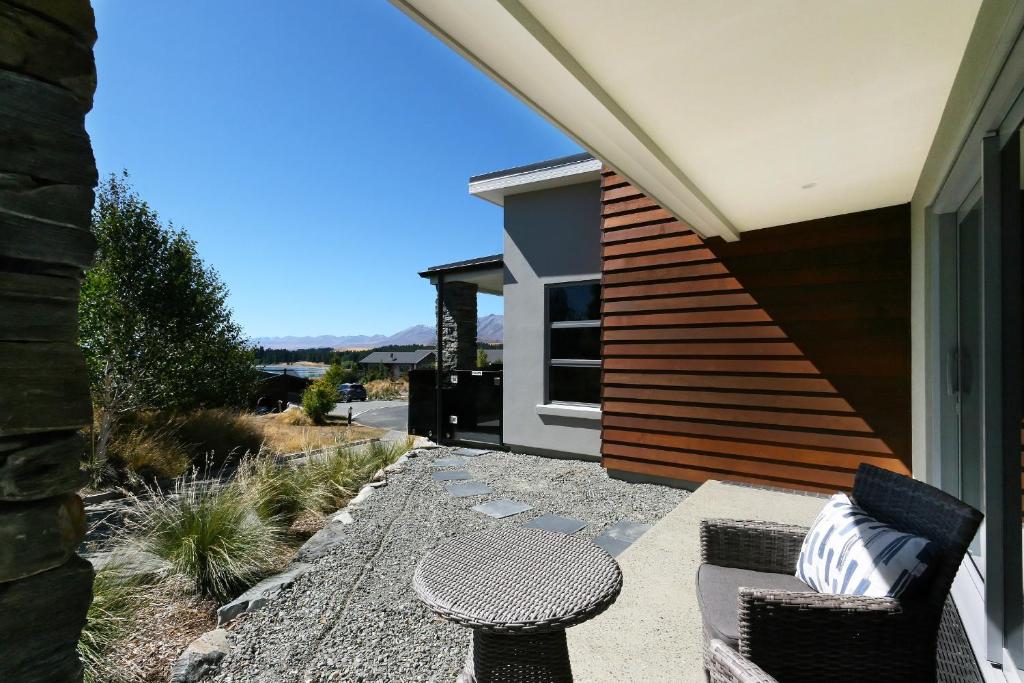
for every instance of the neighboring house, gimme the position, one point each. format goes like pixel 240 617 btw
pixel 274 388
pixel 795 249
pixel 399 363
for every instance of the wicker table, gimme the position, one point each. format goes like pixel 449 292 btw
pixel 518 589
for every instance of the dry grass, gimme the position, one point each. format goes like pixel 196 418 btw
pixel 386 389
pixel 151 452
pixel 172 619
pixel 281 436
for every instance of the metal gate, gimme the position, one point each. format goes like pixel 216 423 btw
pixel 470 406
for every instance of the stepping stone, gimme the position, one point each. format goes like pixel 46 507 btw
pixel 451 476
pixel 470 452
pixel 620 536
pixel 471 488
pixel 502 508
pixel 563 525
pixel 448 462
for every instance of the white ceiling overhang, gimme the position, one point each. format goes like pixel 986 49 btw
pixel 732 115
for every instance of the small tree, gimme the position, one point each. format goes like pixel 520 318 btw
pixel 481 358
pixel 154 322
pixel 318 400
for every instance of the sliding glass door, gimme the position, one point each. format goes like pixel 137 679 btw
pixel 964 384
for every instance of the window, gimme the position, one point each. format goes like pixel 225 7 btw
pixel 574 343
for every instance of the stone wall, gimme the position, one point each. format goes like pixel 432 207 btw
pixel 458 325
pixel 47 176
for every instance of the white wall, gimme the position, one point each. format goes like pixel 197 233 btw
pixel 550 236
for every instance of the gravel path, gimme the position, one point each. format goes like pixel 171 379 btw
pixel 354 617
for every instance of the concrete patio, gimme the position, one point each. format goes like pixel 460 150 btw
pixel 653 631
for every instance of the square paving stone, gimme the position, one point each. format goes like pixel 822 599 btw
pixel 470 452
pixel 502 508
pixel 471 488
pixel 620 536
pixel 451 476
pixel 563 525
pixel 449 462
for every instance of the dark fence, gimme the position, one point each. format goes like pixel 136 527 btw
pixel 470 406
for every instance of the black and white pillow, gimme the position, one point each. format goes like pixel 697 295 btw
pixel 849 552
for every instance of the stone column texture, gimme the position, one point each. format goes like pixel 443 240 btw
pixel 458 326
pixel 47 178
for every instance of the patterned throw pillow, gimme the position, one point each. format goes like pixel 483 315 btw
pixel 849 552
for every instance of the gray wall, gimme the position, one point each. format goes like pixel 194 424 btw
pixel 550 236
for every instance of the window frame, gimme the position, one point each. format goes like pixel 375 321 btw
pixel 549 325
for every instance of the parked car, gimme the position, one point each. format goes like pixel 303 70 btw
pixel 352 392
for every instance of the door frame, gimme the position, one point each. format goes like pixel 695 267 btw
pixel 990 602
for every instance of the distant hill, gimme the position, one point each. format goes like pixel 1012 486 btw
pixel 489 328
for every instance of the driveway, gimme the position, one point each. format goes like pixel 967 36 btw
pixel 392 415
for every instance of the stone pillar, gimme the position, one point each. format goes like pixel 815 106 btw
pixel 458 325
pixel 47 176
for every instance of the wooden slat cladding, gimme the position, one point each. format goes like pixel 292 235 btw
pixel 780 359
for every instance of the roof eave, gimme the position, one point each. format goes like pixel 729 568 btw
pixel 494 188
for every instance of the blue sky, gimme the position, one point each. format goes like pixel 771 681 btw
pixel 317 151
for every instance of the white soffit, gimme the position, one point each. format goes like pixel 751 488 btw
pixel 489 281
pixel 733 115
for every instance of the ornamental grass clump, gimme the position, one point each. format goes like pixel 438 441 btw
pixel 210 534
pixel 333 477
pixel 336 475
pixel 278 493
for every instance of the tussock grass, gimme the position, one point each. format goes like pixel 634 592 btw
pixel 386 389
pixel 117 603
pixel 293 417
pixel 217 435
pixel 211 535
pixel 276 492
pixel 334 477
pixel 150 452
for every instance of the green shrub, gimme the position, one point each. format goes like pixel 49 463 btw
pixel 113 615
pixel 318 400
pixel 211 535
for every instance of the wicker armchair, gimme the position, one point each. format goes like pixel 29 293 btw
pixel 783 631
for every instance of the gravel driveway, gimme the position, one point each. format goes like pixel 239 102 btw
pixel 354 616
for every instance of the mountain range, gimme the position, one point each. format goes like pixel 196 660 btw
pixel 489 328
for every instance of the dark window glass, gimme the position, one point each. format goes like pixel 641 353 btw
pixel 576 343
pixel 574 385
pixel 574 302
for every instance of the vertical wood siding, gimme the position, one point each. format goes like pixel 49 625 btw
pixel 781 359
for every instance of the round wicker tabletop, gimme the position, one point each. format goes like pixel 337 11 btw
pixel 515 580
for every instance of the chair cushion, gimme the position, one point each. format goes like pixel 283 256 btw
pixel 849 552
pixel 718 596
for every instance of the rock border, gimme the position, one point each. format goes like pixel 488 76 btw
pixel 315 547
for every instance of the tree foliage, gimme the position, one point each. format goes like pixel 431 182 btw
pixel 154 322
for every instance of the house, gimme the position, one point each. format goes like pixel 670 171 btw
pixel 278 388
pixel 793 246
pixel 802 220
pixel 399 363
